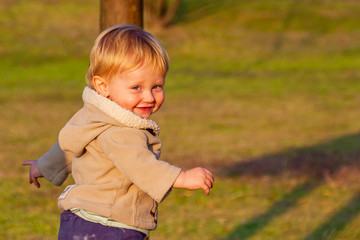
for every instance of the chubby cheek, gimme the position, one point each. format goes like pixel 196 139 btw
pixel 127 102
pixel 159 101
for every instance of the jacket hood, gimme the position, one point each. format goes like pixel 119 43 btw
pixel 97 115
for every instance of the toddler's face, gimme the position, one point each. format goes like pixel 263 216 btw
pixel 139 91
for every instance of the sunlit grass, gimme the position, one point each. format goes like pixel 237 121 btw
pixel 264 93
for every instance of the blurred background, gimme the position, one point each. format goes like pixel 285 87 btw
pixel 265 93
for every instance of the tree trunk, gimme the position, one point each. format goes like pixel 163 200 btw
pixel 121 12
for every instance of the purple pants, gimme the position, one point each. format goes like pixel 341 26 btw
pixel 73 227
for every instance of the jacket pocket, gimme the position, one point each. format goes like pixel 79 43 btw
pixel 66 191
pixel 154 211
pixel 147 208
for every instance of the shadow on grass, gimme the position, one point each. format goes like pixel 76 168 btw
pixel 318 164
pixel 338 220
pixel 257 223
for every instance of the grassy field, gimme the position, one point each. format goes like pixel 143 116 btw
pixel 265 93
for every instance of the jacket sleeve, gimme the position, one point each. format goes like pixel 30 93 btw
pixel 55 165
pixel 127 148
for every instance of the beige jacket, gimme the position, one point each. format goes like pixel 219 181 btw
pixel 113 154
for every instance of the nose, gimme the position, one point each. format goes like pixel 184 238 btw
pixel 148 96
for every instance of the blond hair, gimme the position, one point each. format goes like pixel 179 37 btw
pixel 123 48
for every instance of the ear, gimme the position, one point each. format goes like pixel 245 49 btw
pixel 101 86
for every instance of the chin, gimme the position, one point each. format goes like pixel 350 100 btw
pixel 145 116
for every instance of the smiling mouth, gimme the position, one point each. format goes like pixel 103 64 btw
pixel 145 109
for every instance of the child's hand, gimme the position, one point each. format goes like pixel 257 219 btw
pixel 34 172
pixel 196 178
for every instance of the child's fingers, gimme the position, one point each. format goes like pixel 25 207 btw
pixel 27 162
pixel 206 190
pixel 209 174
pixel 32 178
pixel 212 184
pixel 208 181
pixel 210 178
pixel 36 183
pixel 208 184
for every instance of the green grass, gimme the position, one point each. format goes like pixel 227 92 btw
pixel 265 93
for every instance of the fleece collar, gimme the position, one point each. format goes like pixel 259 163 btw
pixel 117 112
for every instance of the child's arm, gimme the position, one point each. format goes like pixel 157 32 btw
pixel 55 166
pixel 195 178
